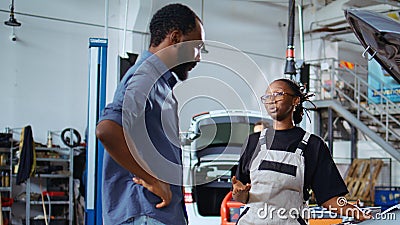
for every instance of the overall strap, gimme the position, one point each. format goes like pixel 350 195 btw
pixel 263 132
pixel 261 141
pixel 303 143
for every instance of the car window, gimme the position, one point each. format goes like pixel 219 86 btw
pixel 223 134
pixel 213 172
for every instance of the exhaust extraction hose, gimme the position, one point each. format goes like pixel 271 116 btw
pixel 290 67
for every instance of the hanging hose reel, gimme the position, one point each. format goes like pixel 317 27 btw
pixel 71 137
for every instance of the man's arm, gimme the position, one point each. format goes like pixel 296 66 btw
pixel 112 137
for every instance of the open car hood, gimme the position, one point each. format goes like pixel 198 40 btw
pixel 380 36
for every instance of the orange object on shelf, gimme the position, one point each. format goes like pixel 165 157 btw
pixel 230 210
pixel 324 221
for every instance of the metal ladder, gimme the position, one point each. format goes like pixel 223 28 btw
pixel 345 91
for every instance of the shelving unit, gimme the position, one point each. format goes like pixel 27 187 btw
pixel 6 175
pixel 44 159
pixel 6 180
pixel 53 178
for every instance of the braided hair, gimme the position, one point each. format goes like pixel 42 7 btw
pixel 169 18
pixel 304 97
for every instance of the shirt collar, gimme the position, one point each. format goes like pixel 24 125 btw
pixel 171 79
pixel 162 69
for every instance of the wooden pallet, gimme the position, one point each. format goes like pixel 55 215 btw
pixel 361 179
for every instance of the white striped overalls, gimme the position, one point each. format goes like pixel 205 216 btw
pixel 277 182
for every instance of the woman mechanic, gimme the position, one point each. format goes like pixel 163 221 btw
pixel 281 164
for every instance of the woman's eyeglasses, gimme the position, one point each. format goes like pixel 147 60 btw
pixel 274 96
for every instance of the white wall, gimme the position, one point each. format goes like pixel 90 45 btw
pixel 246 51
pixel 44 73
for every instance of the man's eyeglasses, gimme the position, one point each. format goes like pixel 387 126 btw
pixel 274 96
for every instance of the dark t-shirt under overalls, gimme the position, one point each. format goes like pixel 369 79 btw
pixel 321 173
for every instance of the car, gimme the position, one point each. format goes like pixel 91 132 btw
pixel 212 148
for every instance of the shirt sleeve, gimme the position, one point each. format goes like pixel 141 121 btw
pixel 129 100
pixel 326 181
pixel 243 169
pixel 138 91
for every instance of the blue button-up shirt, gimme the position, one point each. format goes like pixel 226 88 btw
pixel 147 109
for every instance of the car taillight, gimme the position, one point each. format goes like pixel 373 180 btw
pixel 188 197
pixel 200 114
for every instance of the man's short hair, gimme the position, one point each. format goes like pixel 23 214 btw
pixel 171 17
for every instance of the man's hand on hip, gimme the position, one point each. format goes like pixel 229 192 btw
pixel 159 188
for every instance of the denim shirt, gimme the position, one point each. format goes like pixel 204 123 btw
pixel 147 109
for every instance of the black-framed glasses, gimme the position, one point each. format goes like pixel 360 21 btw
pixel 275 96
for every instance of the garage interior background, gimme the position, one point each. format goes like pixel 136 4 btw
pixel 44 73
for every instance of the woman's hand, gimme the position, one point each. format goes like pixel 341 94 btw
pixel 363 215
pixel 341 206
pixel 240 191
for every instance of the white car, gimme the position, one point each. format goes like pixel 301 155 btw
pixel 211 159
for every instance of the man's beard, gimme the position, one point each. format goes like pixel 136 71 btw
pixel 182 70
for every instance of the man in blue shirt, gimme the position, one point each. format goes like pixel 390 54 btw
pixel 142 172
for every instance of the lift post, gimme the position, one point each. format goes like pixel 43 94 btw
pixel 95 150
